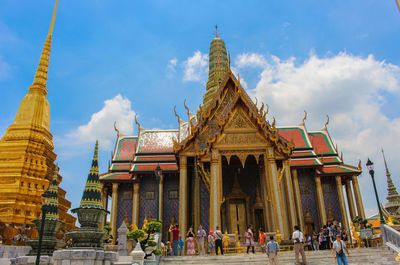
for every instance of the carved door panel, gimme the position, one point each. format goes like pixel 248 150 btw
pixel 237 217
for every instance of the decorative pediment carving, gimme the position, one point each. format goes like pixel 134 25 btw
pixel 240 121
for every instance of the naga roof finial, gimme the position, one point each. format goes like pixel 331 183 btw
pixel 302 123
pixel 176 114
pixel 325 128
pixel 138 124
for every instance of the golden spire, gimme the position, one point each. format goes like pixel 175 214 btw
pixel 40 80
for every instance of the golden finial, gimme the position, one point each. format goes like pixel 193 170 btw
pixel 138 124
pixel 256 101
pixel 262 108
pixel 326 123
pixel 229 59
pixel 239 78
pixel 176 114
pixel 302 123
pixel 359 164
pixel 116 129
pixel 273 122
pixel 341 156
pixel 53 19
pixel 267 111
pixel 336 148
pixel 40 80
pixel 216 31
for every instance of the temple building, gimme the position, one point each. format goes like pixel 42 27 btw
pixel 26 154
pixel 227 165
pixel 392 206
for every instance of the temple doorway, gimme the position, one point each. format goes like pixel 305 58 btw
pixel 241 196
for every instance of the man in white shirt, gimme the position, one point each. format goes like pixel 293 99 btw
pixel 298 240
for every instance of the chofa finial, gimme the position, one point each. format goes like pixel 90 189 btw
pixel 302 123
pixel 326 123
pixel 216 31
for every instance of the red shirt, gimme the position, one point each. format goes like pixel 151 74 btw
pixel 262 238
pixel 175 234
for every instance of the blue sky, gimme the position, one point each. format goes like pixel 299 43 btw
pixel 113 59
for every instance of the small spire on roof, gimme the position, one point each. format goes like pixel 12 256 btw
pixel 302 123
pixel 229 60
pixel 216 31
pixel 325 128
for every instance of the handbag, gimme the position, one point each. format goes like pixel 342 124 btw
pixel 340 253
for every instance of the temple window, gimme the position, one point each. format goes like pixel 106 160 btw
pixel 149 195
pixel 173 194
pixel 127 195
pixel 327 188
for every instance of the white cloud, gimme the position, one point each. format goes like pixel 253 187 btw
pixel 101 124
pixel 353 91
pixel 172 64
pixel 195 67
pixel 250 60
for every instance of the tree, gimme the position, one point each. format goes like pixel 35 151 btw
pixel 145 237
pixel 107 229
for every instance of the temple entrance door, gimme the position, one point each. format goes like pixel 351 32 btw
pixel 259 220
pixel 238 216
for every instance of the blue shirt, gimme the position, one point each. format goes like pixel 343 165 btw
pixel 180 244
pixel 272 247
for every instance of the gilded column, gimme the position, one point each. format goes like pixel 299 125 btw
pixel 320 200
pixel 196 196
pixel 296 189
pixel 160 198
pixel 357 195
pixel 339 188
pixel 290 196
pixel 215 216
pixel 135 204
pixel 183 196
pixel 264 197
pixel 104 199
pixel 350 199
pixel 276 197
pixel 114 202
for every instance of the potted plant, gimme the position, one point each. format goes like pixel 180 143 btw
pixel 145 237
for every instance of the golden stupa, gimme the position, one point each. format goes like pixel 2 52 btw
pixel 26 153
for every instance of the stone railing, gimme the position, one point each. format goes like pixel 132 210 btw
pixel 391 237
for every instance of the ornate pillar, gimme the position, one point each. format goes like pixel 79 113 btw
pixel 135 204
pixel 196 196
pixel 264 197
pixel 160 197
pixel 357 195
pixel 290 196
pixel 183 196
pixel 296 189
pixel 276 196
pixel 320 200
pixel 114 205
pixel 104 198
pixel 215 179
pixel 339 187
pixel 350 200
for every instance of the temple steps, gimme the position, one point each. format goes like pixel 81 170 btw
pixel 376 256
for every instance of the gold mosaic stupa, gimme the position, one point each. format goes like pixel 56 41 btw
pixel 26 153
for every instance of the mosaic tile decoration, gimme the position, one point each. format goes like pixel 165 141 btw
pixel 125 204
pixel 308 194
pixel 148 183
pixel 331 197
pixel 204 206
pixel 170 206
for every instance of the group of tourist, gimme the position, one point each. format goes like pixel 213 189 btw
pixel 214 241
pixel 332 236
pixel 326 236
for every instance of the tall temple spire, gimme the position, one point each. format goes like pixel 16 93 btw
pixel 393 197
pixel 217 67
pixel 27 151
pixel 91 197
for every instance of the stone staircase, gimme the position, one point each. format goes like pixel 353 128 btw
pixel 377 256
